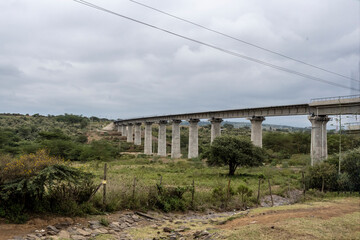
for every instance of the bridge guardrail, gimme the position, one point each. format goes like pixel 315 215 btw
pixel 334 98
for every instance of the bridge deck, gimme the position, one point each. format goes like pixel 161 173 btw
pixel 327 107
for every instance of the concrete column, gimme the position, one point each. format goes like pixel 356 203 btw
pixel 175 140
pixel 124 130
pixel 256 130
pixel 130 133
pixel 148 138
pixel 162 138
pixel 318 149
pixel 137 134
pixel 118 128
pixel 193 138
pixel 215 127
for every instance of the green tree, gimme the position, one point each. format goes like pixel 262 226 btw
pixel 350 166
pixel 234 152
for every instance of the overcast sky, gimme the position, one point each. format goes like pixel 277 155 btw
pixel 58 56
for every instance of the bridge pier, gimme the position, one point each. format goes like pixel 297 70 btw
pixel 193 138
pixel 130 133
pixel 215 127
pixel 175 140
pixel 256 130
pixel 118 128
pixel 318 149
pixel 162 138
pixel 123 131
pixel 148 138
pixel 137 131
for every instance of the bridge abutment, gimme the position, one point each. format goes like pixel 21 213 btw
pixel 256 130
pixel 215 127
pixel 193 138
pixel 137 131
pixel 148 138
pixel 175 140
pixel 162 138
pixel 318 151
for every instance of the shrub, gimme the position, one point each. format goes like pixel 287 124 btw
pixel 41 183
pixel 350 166
pixel 322 176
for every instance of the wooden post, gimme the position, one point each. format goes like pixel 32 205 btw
pixel 258 196
pixel 289 188
pixel 192 194
pixel 228 192
pixel 134 185
pixel 104 185
pixel 323 184
pixel 272 201
pixel 303 180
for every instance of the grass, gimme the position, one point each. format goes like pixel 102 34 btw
pixel 180 173
pixel 339 227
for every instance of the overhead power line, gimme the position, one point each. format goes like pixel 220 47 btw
pixel 243 41
pixel 217 48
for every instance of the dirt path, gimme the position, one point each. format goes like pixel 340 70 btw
pixel 270 217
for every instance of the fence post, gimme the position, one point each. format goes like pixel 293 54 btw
pixel 303 180
pixel 192 194
pixel 104 185
pixel 272 201
pixel 258 196
pixel 134 185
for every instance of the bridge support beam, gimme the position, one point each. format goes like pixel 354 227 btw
pixel 215 127
pixel 130 133
pixel 318 149
pixel 162 138
pixel 256 130
pixel 137 131
pixel 175 140
pixel 148 138
pixel 193 138
pixel 118 128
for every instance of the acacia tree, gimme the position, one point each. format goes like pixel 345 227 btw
pixel 234 152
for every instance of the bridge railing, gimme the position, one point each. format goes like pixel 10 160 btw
pixel 334 98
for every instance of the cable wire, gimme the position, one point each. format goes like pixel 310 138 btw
pixel 217 48
pixel 243 41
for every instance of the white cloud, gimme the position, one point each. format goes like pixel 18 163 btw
pixel 59 56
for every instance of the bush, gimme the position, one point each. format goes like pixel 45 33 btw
pixel 350 166
pixel 170 198
pixel 41 183
pixel 322 176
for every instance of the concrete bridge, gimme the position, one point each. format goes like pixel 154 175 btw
pixel 318 112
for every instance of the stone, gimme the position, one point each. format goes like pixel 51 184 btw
pixel 52 228
pixel 167 229
pixel 33 236
pixel 78 237
pixel 83 232
pixel 63 234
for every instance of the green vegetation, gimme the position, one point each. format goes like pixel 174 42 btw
pixel 325 176
pixel 40 183
pixel 34 178
pixel 234 152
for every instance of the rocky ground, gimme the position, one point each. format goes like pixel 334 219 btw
pixel 134 225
